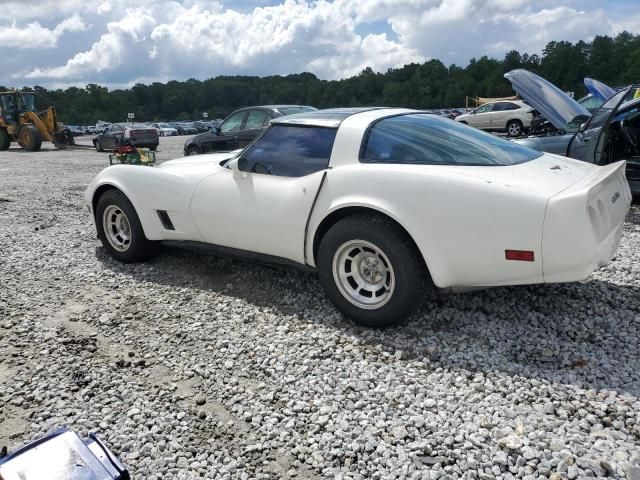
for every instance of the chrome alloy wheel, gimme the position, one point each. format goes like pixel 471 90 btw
pixel 363 274
pixel 514 129
pixel 116 228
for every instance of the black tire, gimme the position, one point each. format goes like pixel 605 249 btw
pixel 193 150
pixel 5 139
pixel 29 138
pixel 514 128
pixel 98 146
pixel 139 248
pixel 411 279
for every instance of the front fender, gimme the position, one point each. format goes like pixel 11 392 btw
pixel 149 190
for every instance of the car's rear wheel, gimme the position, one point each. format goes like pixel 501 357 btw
pixel 120 230
pixel 371 270
pixel 193 151
pixel 515 128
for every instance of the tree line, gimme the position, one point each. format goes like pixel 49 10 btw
pixel 615 61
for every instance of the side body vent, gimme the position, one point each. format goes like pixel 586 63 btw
pixel 166 221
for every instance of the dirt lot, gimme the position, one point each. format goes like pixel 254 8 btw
pixel 193 366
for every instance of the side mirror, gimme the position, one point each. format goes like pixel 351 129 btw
pixel 239 166
pixel 216 130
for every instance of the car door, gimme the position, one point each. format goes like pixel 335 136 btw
pixel 588 143
pixel 481 117
pixel 255 123
pixel 111 137
pixel 265 208
pixel 498 117
pixel 227 137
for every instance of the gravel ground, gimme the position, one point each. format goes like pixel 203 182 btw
pixel 193 366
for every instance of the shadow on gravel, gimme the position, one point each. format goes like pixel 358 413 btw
pixel 584 334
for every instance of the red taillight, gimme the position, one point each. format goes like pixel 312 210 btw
pixel 519 255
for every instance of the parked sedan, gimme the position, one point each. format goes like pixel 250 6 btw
pixel 183 129
pixel 139 135
pixel 201 127
pixel 513 117
pixel 164 129
pixel 371 199
pixel 239 129
pixel 610 135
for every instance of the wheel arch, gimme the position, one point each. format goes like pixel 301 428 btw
pixel 100 190
pixel 346 210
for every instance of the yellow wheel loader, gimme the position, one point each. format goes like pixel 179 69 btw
pixel 20 122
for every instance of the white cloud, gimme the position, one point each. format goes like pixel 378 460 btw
pixel 143 40
pixel 121 47
pixel 34 35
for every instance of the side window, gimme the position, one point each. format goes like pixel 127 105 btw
pixel 291 151
pixel 505 106
pixel 233 123
pixel 484 108
pixel 255 120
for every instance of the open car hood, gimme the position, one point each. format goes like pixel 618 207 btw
pixel 552 103
pixel 598 89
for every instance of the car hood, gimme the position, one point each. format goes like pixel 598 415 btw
pixel 198 160
pixel 598 89
pixel 552 103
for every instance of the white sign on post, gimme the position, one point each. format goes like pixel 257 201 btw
pixel 205 114
pixel 130 116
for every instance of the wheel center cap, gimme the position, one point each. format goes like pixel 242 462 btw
pixel 371 270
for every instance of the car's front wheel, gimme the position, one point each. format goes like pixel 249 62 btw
pixel 193 151
pixel 371 270
pixel 120 230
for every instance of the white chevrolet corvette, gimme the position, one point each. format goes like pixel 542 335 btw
pixel 382 202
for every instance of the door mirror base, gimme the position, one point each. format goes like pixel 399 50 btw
pixel 239 167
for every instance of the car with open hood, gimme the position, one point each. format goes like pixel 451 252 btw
pixel 384 203
pixel 609 135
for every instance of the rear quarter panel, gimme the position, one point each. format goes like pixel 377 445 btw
pixel 461 224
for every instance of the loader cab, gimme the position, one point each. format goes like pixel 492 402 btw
pixel 26 102
pixel 9 107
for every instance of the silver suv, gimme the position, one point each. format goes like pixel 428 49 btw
pixel 512 116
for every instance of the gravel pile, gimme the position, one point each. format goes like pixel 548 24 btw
pixel 193 366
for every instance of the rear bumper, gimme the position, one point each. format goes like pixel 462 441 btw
pixel 583 225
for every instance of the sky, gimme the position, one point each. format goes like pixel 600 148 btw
pixel 117 43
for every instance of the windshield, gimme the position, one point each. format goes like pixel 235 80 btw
pixel 430 140
pixel 292 110
pixel 27 102
pixel 164 125
pixel 600 117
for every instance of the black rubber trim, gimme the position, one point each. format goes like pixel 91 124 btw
pixel 253 257
pixel 166 221
pixel 313 206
